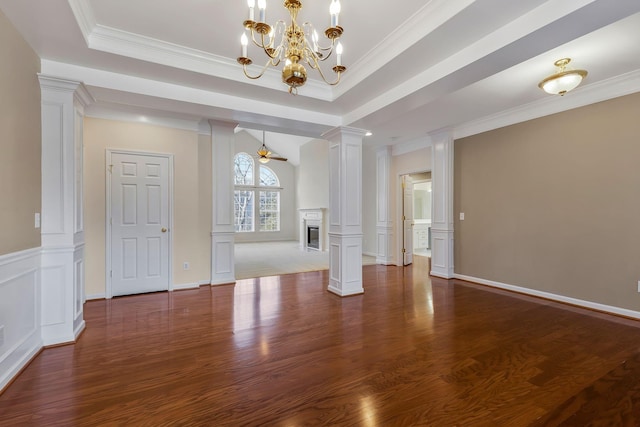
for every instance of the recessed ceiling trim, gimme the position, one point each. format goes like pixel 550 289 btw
pixel 137 46
pixel 513 32
pixel 431 16
pixel 83 12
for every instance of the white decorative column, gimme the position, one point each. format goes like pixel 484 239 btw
pixel 345 210
pixel 442 193
pixel 62 232
pixel 222 226
pixel 384 223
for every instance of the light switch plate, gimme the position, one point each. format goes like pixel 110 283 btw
pixel 461 216
pixel 37 220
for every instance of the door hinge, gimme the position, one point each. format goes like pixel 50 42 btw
pixel 111 273
pixel 404 251
pixel 110 221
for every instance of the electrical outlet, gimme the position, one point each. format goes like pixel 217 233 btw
pixel 185 265
pixel 1 335
pixel 638 285
pixel 37 220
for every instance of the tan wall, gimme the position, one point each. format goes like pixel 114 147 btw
pixel 553 204
pixel 20 140
pixel 187 236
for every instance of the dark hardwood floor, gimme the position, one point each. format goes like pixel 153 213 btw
pixel 283 351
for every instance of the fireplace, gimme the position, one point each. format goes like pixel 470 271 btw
pixel 313 229
pixel 313 237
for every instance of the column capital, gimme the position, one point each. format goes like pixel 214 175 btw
pixel 343 130
pixel 222 124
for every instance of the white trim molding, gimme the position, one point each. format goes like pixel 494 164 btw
pixel 553 297
pixel 20 298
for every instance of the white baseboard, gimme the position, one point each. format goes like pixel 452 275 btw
pixel 370 254
pixel 204 282
pixel 554 297
pixel 183 286
pixel 96 296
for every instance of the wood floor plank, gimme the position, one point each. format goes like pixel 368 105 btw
pixel 283 351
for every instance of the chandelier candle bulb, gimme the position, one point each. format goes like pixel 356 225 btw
pixel 334 10
pixel 252 5
pixel 262 5
pixel 339 54
pixel 244 41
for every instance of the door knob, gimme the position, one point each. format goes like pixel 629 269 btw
pixel 164 230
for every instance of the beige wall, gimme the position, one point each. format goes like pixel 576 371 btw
pixel 187 235
pixel 553 204
pixel 20 136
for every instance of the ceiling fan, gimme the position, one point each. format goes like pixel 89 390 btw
pixel 264 155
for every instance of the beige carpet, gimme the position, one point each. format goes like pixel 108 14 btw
pixel 274 258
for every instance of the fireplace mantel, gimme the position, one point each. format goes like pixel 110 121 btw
pixel 315 217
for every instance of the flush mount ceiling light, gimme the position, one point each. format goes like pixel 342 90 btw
pixel 564 80
pixel 291 44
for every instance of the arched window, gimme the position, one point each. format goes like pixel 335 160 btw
pixel 267 192
pixel 243 200
pixel 269 200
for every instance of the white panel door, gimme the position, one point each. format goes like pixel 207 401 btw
pixel 139 223
pixel 407 219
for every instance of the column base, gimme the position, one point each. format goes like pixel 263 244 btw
pixel 222 258
pixel 442 254
pixel 345 264
pixel 384 237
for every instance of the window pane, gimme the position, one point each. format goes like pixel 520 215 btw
pixel 243 208
pixel 243 169
pixel 269 211
pixel 268 178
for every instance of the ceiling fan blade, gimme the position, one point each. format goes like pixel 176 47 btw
pixel 278 158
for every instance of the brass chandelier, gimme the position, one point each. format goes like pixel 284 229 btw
pixel 290 44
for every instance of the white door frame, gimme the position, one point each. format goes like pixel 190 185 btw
pixel 108 225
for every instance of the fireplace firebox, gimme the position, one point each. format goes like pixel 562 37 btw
pixel 313 237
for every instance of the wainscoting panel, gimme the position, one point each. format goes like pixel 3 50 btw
pixel 19 312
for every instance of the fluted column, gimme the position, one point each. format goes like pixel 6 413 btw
pixel 384 223
pixel 442 222
pixel 345 210
pixel 222 224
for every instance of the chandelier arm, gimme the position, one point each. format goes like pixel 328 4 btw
pixel 264 69
pixel 314 54
pixel 316 66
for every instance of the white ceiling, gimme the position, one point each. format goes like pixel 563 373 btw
pixel 414 67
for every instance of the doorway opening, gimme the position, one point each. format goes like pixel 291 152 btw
pixel 416 215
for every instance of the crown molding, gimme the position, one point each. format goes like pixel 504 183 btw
pixel 85 17
pixel 604 90
pixel 137 46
